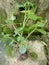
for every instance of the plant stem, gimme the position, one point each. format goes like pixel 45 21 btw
pixel 24 19
pixel 24 22
pixel 30 34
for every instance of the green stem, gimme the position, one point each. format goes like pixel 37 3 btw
pixel 30 34
pixel 24 22
pixel 24 19
pixel 13 25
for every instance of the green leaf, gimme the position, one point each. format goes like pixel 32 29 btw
pixel 39 24
pixel 18 30
pixel 41 31
pixel 5 37
pixel 7 40
pixel 7 30
pixel 31 4
pixel 26 29
pixel 19 38
pixel 19 5
pixel 32 16
pixel 9 51
pixel 25 11
pixel 11 42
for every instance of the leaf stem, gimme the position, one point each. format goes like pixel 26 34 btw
pixel 30 34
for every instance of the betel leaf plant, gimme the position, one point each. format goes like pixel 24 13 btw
pixel 13 30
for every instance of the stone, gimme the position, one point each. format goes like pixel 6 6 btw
pixel 8 5
pixel 37 47
pixel 2 54
pixel 43 4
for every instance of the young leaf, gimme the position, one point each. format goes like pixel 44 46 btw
pixel 19 5
pixel 32 16
pixel 22 48
pixel 31 4
pixel 12 17
pixel 18 30
pixel 19 38
pixel 39 24
pixel 41 31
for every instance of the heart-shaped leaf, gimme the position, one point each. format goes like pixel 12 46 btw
pixel 22 48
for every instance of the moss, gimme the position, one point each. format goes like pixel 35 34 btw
pixel 3 16
pixel 7 30
pixel 0 29
pixel 33 55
